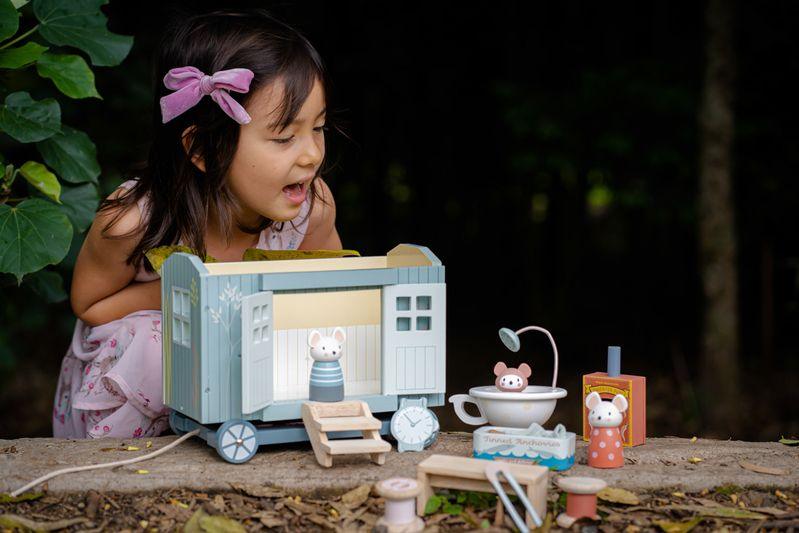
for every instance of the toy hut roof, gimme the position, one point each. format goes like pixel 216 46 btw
pixel 402 255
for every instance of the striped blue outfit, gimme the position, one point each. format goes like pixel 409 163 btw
pixel 327 382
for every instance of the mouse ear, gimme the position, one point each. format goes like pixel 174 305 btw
pixel 525 370
pixel 339 334
pixel 620 402
pixel 500 368
pixel 592 400
pixel 314 338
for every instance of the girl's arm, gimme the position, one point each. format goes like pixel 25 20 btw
pixel 135 297
pixel 101 272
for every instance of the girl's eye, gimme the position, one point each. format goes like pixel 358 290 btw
pixel 288 139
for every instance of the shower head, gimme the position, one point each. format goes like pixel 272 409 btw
pixel 510 339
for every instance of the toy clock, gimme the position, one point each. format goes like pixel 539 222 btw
pixel 414 425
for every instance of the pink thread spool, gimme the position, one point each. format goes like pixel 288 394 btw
pixel 580 499
pixel 400 495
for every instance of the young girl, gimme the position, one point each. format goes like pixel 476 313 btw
pixel 238 147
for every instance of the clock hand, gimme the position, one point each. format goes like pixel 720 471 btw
pixel 409 419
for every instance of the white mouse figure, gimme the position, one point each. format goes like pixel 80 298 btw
pixel 604 419
pixel 327 380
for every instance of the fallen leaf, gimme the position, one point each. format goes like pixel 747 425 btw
pixel 320 520
pixel 259 491
pixel 678 527
pixel 12 521
pixel 149 444
pixel 7 498
pixel 616 495
pixel 193 525
pixel 357 496
pixel 693 439
pixel 142 471
pixel 299 507
pixel 763 469
pixel 769 510
pixel 132 448
pixel 789 442
pixel 695 460
pixel 221 524
pixel 719 512
pixel 678 494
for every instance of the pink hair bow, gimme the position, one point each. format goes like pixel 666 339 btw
pixel 191 84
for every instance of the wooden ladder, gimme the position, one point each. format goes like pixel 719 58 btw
pixel 322 417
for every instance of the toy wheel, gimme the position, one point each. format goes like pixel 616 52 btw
pixel 236 441
pixel 173 423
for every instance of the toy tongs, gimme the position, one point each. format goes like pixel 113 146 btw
pixel 492 469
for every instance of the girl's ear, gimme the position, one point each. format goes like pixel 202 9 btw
pixel 186 138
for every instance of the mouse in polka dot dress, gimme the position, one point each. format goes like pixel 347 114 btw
pixel 605 419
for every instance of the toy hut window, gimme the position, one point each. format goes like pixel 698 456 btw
pixel 181 317
pixel 409 315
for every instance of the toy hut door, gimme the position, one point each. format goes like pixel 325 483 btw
pixel 257 359
pixel 413 338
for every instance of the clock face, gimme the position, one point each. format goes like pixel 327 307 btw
pixel 413 425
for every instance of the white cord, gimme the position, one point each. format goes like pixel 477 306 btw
pixel 103 465
pixel 554 349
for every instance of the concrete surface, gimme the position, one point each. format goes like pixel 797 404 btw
pixel 662 463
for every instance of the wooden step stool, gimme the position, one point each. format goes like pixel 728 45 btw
pixel 322 417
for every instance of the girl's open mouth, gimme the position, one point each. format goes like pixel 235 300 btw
pixel 296 192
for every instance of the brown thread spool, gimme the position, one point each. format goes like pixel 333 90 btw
pixel 580 499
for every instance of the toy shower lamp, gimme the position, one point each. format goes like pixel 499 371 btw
pixel 511 402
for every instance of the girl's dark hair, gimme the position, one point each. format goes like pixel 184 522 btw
pixel 180 196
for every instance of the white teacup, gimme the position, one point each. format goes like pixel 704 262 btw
pixel 509 409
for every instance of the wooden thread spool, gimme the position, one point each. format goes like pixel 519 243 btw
pixel 400 494
pixel 580 499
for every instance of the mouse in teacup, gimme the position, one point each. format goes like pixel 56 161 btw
pixel 511 379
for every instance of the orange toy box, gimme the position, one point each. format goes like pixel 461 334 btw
pixel 613 382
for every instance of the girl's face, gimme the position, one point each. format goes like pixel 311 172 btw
pixel 266 162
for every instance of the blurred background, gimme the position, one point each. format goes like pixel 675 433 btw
pixel 618 173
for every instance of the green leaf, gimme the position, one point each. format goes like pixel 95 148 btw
pixel 72 154
pixel 21 56
pixel 9 19
pixel 33 234
pixel 19 3
pixel 452 508
pixel 434 504
pixel 789 442
pixel 221 524
pixel 80 204
pixel 28 120
pixel 678 527
pixel 70 73
pixel 156 256
pixel 7 498
pixel 48 285
pixel 81 24
pixel 42 179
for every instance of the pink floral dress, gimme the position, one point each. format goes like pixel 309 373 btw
pixel 110 382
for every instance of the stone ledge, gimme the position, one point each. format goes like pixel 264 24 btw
pixel 662 463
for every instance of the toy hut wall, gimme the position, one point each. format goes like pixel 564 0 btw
pixel 181 284
pixel 234 337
